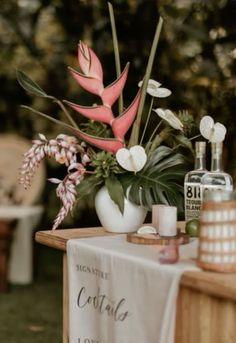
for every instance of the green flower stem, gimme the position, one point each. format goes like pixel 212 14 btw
pixel 153 134
pixel 56 121
pixel 67 114
pixel 116 51
pixel 147 121
pixel 136 126
pixel 194 137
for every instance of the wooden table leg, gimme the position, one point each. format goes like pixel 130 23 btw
pixel 65 331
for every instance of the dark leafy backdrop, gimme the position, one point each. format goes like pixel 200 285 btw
pixel 195 59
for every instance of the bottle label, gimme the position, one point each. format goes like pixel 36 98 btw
pixel 192 200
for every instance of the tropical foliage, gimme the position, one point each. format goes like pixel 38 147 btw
pixel 154 171
pixel 196 59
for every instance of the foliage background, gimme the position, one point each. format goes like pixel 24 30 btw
pixel 195 59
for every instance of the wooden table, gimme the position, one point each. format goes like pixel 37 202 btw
pixel 206 304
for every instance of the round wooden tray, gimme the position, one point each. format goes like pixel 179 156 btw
pixel 153 238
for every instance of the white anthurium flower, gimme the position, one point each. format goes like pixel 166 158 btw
pixel 171 119
pixel 214 132
pixel 154 89
pixel 132 159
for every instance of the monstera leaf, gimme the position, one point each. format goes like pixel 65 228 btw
pixel 160 181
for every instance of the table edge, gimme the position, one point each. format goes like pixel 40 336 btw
pixel 215 284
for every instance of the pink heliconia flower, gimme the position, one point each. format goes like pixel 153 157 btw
pixel 107 144
pixel 92 81
pixel 112 92
pixel 90 84
pixel 89 62
pixel 121 124
pixel 99 113
pixel 91 78
pixel 64 149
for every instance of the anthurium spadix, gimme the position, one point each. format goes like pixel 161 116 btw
pixel 133 159
pixel 99 113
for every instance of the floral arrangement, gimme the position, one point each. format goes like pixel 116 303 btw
pixel 111 149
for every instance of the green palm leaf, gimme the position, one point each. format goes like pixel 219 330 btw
pixel 160 181
pixel 31 86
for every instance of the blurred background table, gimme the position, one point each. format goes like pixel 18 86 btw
pixel 19 213
pixel 16 231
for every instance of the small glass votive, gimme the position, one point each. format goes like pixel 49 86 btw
pixel 167 221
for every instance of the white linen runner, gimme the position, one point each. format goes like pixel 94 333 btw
pixel 120 293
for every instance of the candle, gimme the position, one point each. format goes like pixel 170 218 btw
pixel 156 211
pixel 167 219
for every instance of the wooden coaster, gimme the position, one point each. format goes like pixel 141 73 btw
pixel 152 238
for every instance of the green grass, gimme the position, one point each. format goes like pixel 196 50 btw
pixel 33 313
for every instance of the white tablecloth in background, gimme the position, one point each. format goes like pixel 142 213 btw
pixel 120 293
pixel 21 254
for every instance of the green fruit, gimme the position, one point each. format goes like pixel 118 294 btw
pixel 192 227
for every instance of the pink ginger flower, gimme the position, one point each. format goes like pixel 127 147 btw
pixel 63 149
pixel 66 191
pixel 32 159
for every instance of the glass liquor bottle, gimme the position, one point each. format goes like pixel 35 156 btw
pixel 192 183
pixel 216 179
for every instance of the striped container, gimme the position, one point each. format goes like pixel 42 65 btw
pixel 217 238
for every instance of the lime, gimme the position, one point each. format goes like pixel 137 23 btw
pixel 192 227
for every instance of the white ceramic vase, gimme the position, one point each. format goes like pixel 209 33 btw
pixel 112 219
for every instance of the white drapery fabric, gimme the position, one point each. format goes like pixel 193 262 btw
pixel 120 293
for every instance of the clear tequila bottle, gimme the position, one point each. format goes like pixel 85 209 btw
pixel 216 179
pixel 192 183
